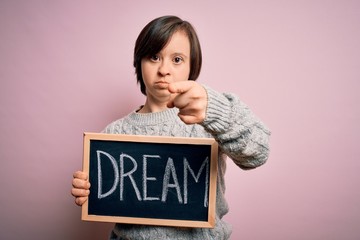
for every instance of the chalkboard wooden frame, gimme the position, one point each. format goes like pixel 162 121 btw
pixel 209 222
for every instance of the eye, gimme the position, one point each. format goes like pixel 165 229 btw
pixel 155 58
pixel 178 60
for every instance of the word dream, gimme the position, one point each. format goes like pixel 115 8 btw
pixel 169 179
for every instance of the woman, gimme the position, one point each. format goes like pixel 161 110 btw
pixel 167 60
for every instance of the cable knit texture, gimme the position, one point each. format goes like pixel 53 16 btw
pixel 241 136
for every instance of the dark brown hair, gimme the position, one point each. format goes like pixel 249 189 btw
pixel 155 36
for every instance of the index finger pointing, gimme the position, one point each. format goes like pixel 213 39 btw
pixel 180 87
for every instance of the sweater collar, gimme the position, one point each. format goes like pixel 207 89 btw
pixel 154 118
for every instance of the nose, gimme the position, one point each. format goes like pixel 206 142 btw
pixel 164 68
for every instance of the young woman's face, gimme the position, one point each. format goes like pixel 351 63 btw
pixel 171 64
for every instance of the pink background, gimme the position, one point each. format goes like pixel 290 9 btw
pixel 66 68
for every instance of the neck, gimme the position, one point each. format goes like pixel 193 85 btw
pixel 151 108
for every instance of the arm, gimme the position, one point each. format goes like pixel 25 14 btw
pixel 240 134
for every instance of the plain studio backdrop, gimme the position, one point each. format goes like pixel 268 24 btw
pixel 66 68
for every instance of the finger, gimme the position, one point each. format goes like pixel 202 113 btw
pixel 181 100
pixel 81 184
pixel 180 87
pixel 176 89
pixel 80 200
pixel 187 119
pixel 77 192
pixel 170 103
pixel 191 118
pixel 81 175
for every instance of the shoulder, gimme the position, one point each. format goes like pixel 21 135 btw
pixel 117 126
pixel 114 127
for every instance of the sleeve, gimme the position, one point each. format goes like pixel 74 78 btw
pixel 239 133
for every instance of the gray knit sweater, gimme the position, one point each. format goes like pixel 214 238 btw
pixel 241 136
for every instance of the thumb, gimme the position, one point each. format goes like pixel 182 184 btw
pixel 176 88
pixel 170 103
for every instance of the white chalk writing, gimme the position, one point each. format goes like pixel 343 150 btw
pixel 169 181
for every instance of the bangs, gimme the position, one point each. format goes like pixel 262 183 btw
pixel 156 37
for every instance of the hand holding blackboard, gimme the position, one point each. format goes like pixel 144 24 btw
pixel 148 180
pixel 81 187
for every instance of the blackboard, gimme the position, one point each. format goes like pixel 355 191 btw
pixel 151 180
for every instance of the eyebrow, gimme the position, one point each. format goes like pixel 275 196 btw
pixel 179 53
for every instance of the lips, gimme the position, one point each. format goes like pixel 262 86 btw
pixel 161 85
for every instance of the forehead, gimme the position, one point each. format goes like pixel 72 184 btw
pixel 178 43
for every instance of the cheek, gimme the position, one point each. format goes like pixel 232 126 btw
pixel 181 75
pixel 143 73
pixel 186 72
pixel 146 71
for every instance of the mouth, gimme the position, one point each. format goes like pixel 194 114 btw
pixel 161 84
